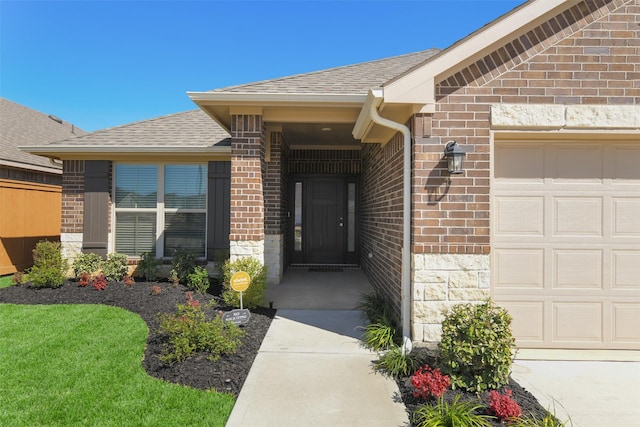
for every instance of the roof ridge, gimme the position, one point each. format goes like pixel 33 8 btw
pixel 326 70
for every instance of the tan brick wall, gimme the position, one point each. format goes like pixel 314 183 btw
pixel 589 54
pixel 72 196
pixel 247 178
pixel 381 216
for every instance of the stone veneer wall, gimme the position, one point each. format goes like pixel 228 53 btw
pixel 441 281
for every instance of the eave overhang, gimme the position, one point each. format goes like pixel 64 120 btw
pixel 27 166
pixel 278 108
pixel 118 152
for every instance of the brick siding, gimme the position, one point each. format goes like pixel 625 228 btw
pixel 72 196
pixel 343 162
pixel 381 216
pixel 589 54
pixel 247 177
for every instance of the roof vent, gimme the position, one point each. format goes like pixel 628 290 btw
pixel 55 119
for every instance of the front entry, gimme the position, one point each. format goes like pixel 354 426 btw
pixel 324 221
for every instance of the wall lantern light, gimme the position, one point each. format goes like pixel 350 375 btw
pixel 454 157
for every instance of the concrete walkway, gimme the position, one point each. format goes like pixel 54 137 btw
pixel 312 371
pixel 588 393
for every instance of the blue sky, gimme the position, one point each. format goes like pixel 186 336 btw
pixel 99 64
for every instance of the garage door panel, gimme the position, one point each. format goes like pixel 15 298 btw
pixel 577 162
pixel 577 269
pixel 528 321
pixel 625 322
pixel 566 248
pixel 625 267
pixel 520 215
pixel 626 161
pixel 577 322
pixel 626 216
pixel 577 216
pixel 524 162
pixel 519 268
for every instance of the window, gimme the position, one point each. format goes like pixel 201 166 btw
pixel 160 208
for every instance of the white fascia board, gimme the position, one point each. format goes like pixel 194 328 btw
pixel 275 99
pixel 63 149
pixel 410 88
pixel 27 166
pixel 375 97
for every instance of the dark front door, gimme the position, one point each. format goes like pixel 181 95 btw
pixel 324 225
pixel 326 221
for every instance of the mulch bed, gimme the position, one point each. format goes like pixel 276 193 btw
pixel 229 372
pixel 225 375
pixel 528 403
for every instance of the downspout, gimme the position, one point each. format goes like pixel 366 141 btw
pixel 406 224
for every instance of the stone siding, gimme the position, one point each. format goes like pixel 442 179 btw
pixel 441 281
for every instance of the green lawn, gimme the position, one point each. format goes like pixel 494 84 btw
pixel 6 281
pixel 80 365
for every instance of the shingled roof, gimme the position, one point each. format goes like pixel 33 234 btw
pixel 191 128
pixel 350 79
pixel 195 129
pixel 20 125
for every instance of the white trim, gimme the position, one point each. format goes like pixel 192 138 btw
pixel 147 149
pixel 417 86
pixel 30 167
pixel 275 99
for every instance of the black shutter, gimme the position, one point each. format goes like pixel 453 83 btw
pixel 96 207
pixel 218 207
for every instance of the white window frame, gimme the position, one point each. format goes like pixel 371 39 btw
pixel 159 210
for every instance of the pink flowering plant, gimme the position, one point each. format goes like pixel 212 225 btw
pixel 503 406
pixel 429 382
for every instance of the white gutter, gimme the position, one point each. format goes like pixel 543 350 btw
pixel 121 149
pixel 374 100
pixel 276 99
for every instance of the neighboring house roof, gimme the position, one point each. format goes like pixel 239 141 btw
pixel 20 125
pixel 186 132
pixel 350 79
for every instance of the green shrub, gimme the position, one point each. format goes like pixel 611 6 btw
pixel 86 263
pixel 395 364
pixel 376 309
pixel 190 332
pixel 254 295
pixel 476 346
pixel 456 414
pixel 184 263
pixel 49 268
pixel 199 280
pixel 378 336
pixel 148 266
pixel 115 267
pixel 549 420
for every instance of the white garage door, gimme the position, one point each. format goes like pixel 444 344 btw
pixel 566 242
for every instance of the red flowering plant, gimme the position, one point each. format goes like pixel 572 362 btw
pixel 503 406
pixel 429 382
pixel 100 282
pixel 84 279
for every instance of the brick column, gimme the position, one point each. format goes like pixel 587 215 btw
pixel 247 194
pixel 72 208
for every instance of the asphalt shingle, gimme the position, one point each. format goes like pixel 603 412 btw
pixel 192 128
pixel 20 126
pixel 350 79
